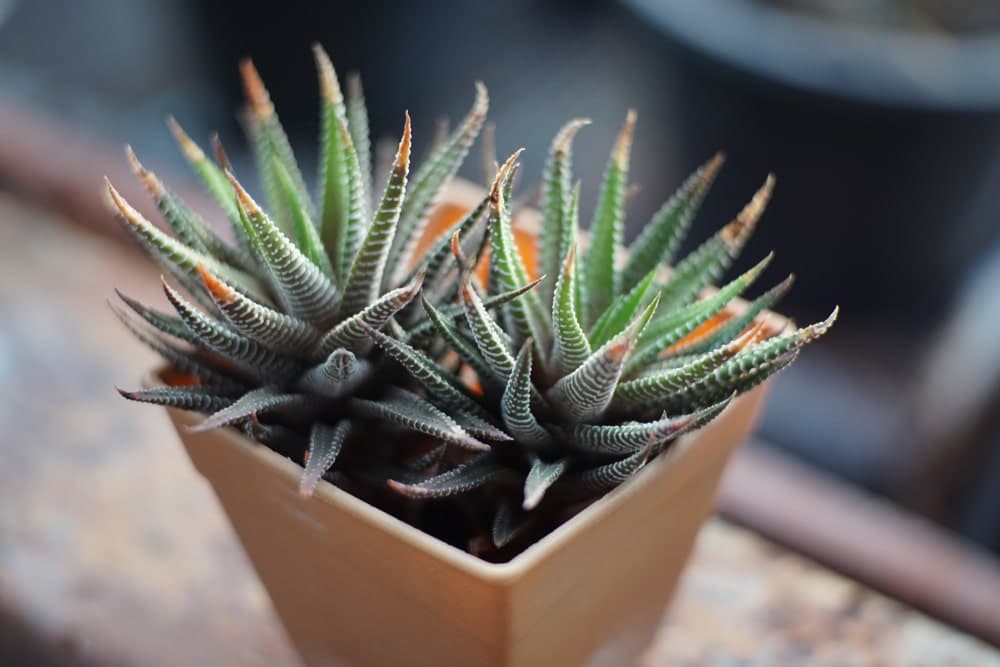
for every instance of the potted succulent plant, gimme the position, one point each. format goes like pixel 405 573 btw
pixel 414 419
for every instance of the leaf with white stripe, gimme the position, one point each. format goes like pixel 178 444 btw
pixel 352 333
pixel 364 282
pixel 584 394
pixel 325 443
pixel 408 410
pixel 515 406
pixel 470 475
pixel 303 289
pixel 255 402
pixel 542 475
pixel 339 375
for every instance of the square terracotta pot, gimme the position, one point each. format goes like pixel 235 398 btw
pixel 354 585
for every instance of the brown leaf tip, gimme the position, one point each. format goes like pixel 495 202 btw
pixel 253 87
pixel 130 215
pixel 219 290
pixel 623 146
pixel 738 231
pixel 221 158
pixel 190 149
pixel 148 178
pixel 243 197
pixel 562 143
pixel 503 175
pixel 403 152
pixel 329 87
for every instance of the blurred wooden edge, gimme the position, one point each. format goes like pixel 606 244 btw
pixel 790 503
pixel 863 537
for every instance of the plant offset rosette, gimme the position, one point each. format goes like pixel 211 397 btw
pixel 509 402
pixel 607 362
pixel 280 343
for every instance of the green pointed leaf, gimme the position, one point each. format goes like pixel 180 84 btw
pixel 629 437
pixel 255 402
pixel 467 351
pixel 601 280
pixel 357 123
pixel 172 253
pixel 412 412
pixel 168 324
pixel 541 476
pixel 305 232
pixel 181 360
pixel 608 476
pixel 271 148
pixel 509 522
pixel 584 394
pixel 490 340
pixel 335 168
pixel 364 282
pixel 735 325
pixel 325 443
pixel 527 315
pixel 621 311
pixel 430 375
pixel 660 239
pixel 556 192
pixel 658 388
pixel 750 367
pixel 571 347
pixel 430 180
pixel 272 329
pixel 515 406
pixel 711 259
pixel 471 475
pixel 438 258
pixel 353 333
pixel 674 325
pixel 303 289
pixel 215 182
pixel 248 354
pixel 197 399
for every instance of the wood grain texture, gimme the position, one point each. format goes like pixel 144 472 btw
pixel 112 549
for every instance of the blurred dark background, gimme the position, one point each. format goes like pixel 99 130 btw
pixel 880 119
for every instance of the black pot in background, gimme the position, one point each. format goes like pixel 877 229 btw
pixel 883 143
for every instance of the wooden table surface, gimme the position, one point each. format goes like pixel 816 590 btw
pixel 114 551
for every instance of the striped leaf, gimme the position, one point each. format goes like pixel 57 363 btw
pixel 489 338
pixel 557 233
pixel 601 280
pixel 168 324
pixel 659 388
pixel 515 406
pixel 184 361
pixel 357 124
pixel 584 394
pixel 335 168
pixel 250 355
pixel 749 368
pixel 408 410
pixel 325 443
pixel 630 437
pixel 540 477
pixel 302 288
pixel 214 180
pixel 429 181
pixel 272 329
pixel 364 283
pixel 471 475
pixel 172 253
pixel 570 347
pixel 442 386
pixel 660 239
pixel 305 233
pixel 255 402
pixel 507 268
pixel 610 475
pixel 197 399
pixel 271 148
pixel 509 522
pixel 353 333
